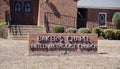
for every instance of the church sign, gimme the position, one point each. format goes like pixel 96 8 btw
pixel 54 43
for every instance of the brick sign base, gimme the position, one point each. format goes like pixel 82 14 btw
pixel 54 43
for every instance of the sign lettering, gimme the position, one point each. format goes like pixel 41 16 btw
pixel 51 42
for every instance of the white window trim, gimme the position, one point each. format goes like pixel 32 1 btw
pixel 105 19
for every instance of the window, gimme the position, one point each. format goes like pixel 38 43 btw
pixel 102 19
pixel 17 6
pixel 27 7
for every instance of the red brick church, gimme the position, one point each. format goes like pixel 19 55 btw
pixel 68 13
pixel 40 12
pixel 63 12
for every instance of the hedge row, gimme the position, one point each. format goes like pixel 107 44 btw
pixel 107 33
pixel 60 29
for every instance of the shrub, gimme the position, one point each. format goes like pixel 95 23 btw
pixel 108 34
pixel 71 30
pixel 84 30
pixel 116 20
pixel 3 24
pixel 102 33
pixel 58 29
pixel 117 34
pixel 97 31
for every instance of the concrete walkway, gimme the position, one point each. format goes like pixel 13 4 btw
pixel 12 56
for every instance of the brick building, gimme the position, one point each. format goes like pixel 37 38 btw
pixel 63 12
pixel 94 13
pixel 69 13
pixel 44 12
pixel 4 5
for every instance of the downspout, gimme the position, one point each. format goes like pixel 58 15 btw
pixel 38 23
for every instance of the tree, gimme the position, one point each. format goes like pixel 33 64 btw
pixel 116 20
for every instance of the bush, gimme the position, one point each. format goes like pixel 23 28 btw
pixel 1 33
pixel 108 34
pixel 58 29
pixel 3 24
pixel 117 34
pixel 71 30
pixel 116 20
pixel 84 30
pixel 102 33
pixel 97 31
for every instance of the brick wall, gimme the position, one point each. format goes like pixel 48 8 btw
pixel 64 12
pixel 57 43
pixel 91 25
pixel 93 14
pixel 92 19
pixel 68 8
pixel 3 7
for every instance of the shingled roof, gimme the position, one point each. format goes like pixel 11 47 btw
pixel 101 4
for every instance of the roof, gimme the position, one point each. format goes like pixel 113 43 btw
pixel 101 4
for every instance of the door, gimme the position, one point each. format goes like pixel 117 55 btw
pixel 81 18
pixel 23 12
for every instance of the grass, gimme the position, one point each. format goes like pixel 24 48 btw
pixel 3 23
